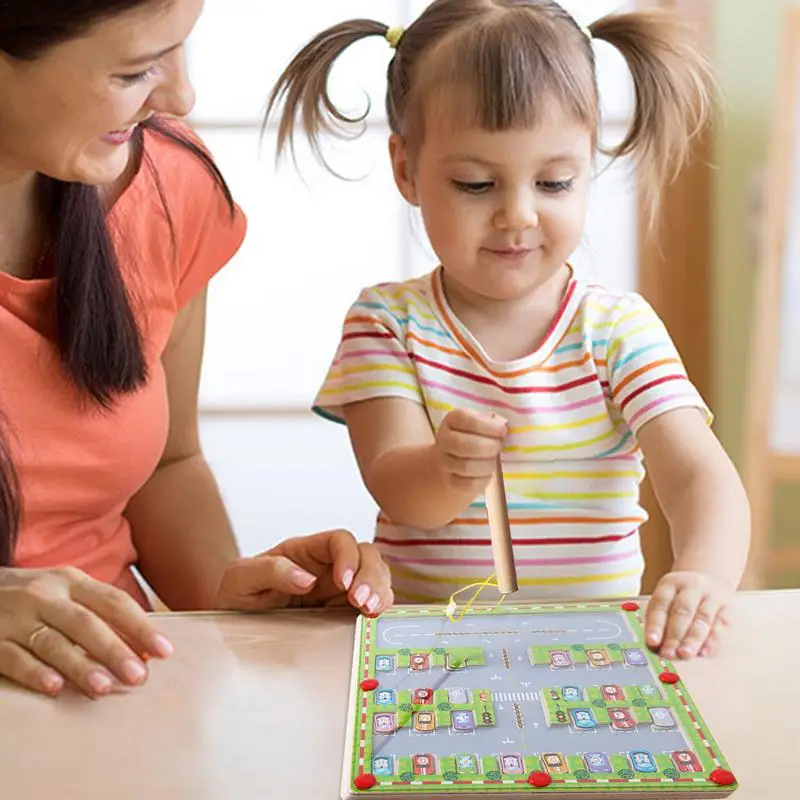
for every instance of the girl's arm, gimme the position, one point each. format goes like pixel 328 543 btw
pixel 178 521
pixel 704 501
pixel 417 478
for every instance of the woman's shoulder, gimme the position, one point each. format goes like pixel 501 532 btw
pixel 177 168
pixel 177 217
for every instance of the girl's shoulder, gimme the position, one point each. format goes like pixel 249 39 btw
pixel 396 301
pixel 604 307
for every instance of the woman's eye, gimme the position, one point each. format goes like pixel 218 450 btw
pixel 138 77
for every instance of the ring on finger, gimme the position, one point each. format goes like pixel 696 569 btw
pixel 35 634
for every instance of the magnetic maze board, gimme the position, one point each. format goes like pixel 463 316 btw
pixel 551 700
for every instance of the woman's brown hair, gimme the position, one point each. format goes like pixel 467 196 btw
pixel 508 60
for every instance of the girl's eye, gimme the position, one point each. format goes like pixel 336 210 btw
pixel 558 187
pixel 138 77
pixel 473 187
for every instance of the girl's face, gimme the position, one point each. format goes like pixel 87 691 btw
pixel 70 113
pixel 503 209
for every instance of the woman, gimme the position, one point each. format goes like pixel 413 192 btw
pixel 112 221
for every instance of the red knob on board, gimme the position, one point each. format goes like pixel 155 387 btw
pixel 369 685
pixel 722 777
pixel 365 781
pixel 668 677
pixel 539 779
pixel 630 606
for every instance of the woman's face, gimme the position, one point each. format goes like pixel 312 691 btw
pixel 70 112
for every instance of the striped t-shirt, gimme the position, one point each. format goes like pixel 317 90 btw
pixel 572 466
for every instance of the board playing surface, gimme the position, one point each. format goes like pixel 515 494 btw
pixel 550 700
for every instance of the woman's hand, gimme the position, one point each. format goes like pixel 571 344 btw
pixel 61 625
pixel 324 569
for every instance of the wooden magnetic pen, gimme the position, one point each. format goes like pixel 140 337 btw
pixel 500 532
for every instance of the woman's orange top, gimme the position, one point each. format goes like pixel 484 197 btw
pixel 79 465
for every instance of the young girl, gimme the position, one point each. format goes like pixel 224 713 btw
pixel 494 114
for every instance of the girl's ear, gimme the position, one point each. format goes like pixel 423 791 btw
pixel 403 169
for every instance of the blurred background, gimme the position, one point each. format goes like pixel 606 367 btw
pixel 314 241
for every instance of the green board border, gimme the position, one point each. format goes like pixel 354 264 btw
pixel 676 697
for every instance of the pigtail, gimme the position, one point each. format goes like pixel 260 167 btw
pixel 303 87
pixel 674 89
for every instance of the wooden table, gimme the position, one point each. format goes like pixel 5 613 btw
pixel 253 707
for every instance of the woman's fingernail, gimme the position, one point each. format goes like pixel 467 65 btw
pixel 362 594
pixel 100 682
pixel 162 645
pixel 133 671
pixel 372 603
pixel 652 636
pixel 347 579
pixel 302 579
pixel 52 682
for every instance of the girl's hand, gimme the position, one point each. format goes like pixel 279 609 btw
pixel 467 445
pixel 687 615
pixel 61 625
pixel 324 569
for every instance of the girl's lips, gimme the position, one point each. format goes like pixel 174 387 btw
pixel 511 253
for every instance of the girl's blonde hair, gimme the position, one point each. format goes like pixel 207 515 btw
pixel 506 61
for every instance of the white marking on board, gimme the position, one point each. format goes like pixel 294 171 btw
pixel 605 636
pixel 388 630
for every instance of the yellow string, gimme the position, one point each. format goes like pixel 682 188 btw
pixel 452 606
